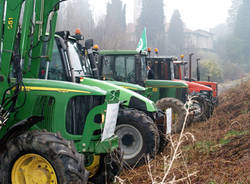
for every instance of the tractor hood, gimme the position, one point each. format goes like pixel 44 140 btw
pixel 195 87
pixel 130 86
pixel 60 86
pixel 129 98
pixel 165 84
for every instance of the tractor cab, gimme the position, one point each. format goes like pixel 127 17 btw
pixel 125 66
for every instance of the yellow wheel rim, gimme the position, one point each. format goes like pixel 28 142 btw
pixel 94 166
pixel 32 169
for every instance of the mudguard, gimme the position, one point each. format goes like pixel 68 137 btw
pixel 19 128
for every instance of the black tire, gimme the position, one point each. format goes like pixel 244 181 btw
pixel 162 128
pixel 110 166
pixel 177 108
pixel 201 108
pixel 135 127
pixel 67 163
pixel 210 108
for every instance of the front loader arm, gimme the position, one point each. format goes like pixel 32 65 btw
pixel 10 27
pixel 45 19
pixel 21 36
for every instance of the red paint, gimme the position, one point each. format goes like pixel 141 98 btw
pixel 195 87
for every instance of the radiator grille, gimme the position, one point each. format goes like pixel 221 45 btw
pixel 77 111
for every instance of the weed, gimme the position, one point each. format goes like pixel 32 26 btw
pixel 205 146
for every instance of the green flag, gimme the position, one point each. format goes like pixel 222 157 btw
pixel 142 44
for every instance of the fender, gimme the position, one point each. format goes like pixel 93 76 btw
pixel 18 129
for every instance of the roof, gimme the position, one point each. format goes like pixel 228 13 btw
pixel 120 52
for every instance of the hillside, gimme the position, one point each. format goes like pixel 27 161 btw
pixel 214 152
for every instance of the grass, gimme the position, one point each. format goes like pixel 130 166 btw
pixel 206 146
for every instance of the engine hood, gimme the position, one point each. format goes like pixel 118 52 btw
pixel 192 86
pixel 165 84
pixel 128 97
pixel 61 86
pixel 130 86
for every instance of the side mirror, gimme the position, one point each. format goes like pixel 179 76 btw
pixel 89 43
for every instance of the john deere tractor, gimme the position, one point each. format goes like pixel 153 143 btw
pixel 49 130
pixel 168 68
pixel 130 66
pixel 137 118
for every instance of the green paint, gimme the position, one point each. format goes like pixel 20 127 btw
pixel 50 99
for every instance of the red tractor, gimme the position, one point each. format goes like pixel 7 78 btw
pixel 178 70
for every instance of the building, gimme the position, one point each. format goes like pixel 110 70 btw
pixel 199 39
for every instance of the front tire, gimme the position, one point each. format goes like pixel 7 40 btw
pixel 41 157
pixel 138 136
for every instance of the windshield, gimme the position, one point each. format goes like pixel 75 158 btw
pixel 177 71
pixel 80 63
pixel 120 68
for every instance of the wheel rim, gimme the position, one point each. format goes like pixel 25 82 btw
pixel 131 141
pixel 94 166
pixel 32 168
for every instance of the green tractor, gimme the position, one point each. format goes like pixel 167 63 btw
pixel 32 111
pixel 168 68
pixel 130 66
pixel 138 116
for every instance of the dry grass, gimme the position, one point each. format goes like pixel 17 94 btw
pixel 213 152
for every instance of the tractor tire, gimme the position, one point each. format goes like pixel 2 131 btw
pixel 110 166
pixel 177 109
pixel 162 128
pixel 41 157
pixel 201 109
pixel 138 135
pixel 210 109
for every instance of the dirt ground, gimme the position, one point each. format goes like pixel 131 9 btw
pixel 220 153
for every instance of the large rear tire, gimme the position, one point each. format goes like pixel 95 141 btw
pixel 138 135
pixel 178 112
pixel 41 157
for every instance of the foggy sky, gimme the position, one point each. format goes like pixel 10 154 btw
pixel 196 14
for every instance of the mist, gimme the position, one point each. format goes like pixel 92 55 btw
pixel 223 49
